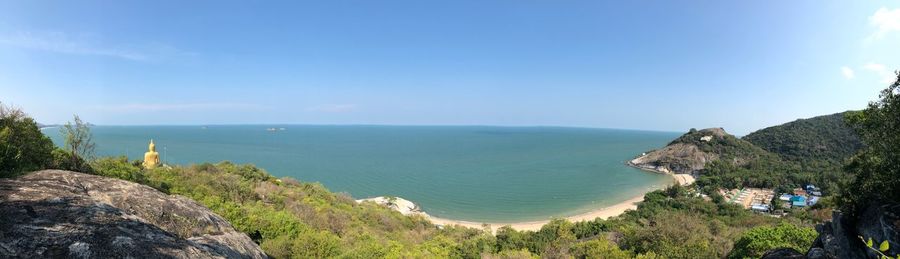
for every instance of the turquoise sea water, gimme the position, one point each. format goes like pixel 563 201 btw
pixel 475 173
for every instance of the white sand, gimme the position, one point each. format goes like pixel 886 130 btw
pixel 406 207
pixel 683 179
pixel 603 213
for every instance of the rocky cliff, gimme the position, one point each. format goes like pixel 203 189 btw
pixel 690 152
pixel 63 214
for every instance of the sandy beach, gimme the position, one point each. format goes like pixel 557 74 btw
pixel 603 213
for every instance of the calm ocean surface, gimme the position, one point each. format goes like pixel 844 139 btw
pixel 475 173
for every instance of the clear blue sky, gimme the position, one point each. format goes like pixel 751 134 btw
pixel 655 65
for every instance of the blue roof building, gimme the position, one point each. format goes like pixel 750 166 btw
pixel 798 201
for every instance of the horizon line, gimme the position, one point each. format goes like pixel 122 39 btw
pixel 374 124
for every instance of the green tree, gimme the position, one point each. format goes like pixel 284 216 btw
pixel 79 142
pixel 23 147
pixel 756 241
pixel 876 169
pixel 599 248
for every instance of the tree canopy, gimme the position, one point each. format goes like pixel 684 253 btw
pixel 23 147
pixel 875 170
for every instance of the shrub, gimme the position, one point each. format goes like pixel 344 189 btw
pixel 23 148
pixel 599 248
pixel 756 241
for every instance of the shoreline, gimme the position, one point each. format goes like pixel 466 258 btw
pixel 603 213
pixel 406 207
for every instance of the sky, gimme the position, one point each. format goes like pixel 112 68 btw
pixel 650 65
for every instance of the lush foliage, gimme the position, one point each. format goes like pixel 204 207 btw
pixel 823 139
pixel 755 242
pixel 23 147
pixel 743 164
pixel 813 151
pixel 783 157
pixel 875 170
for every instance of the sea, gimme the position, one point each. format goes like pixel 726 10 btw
pixel 473 173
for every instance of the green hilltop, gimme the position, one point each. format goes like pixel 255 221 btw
pixel 825 138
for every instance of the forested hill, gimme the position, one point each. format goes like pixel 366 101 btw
pixel 789 155
pixel 825 138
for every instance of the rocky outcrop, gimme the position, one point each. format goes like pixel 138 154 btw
pixel 677 158
pixel 681 156
pixel 63 214
pixel 690 153
pixel 839 238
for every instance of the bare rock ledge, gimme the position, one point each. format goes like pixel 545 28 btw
pixel 64 214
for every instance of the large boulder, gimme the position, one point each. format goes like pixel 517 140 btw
pixel 64 214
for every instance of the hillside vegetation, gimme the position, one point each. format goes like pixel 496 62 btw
pixel 815 142
pixel 725 146
pixel 724 161
pixel 292 219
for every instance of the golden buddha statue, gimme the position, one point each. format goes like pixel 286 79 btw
pixel 151 158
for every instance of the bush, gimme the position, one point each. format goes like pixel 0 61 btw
pixel 598 248
pixel 23 148
pixel 118 167
pixel 755 242
pixel 65 160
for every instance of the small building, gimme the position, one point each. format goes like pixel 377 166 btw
pixel 798 201
pixel 785 197
pixel 812 200
pixel 816 193
pixel 800 192
pixel 760 208
pixel 706 138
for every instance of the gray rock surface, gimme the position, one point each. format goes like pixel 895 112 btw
pixel 783 253
pixel 64 214
pixel 839 238
pixel 680 158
